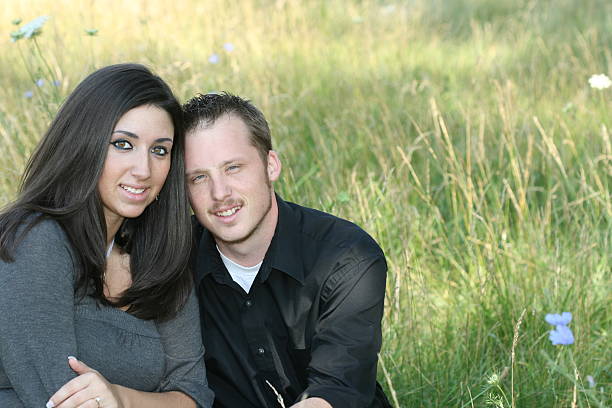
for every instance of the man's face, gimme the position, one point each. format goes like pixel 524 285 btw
pixel 229 184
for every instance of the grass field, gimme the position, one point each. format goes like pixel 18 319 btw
pixel 463 135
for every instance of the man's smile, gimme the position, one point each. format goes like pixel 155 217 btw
pixel 228 212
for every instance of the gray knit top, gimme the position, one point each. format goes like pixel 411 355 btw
pixel 41 324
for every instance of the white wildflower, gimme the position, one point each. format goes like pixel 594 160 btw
pixel 600 81
pixel 30 30
pixel 388 9
pixel 493 379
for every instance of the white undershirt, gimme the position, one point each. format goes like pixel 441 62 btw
pixel 242 275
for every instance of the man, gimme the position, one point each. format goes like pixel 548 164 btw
pixel 291 299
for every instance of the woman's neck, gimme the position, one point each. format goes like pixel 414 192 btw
pixel 113 222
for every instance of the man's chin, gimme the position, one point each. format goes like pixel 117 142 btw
pixel 230 239
pixel 233 237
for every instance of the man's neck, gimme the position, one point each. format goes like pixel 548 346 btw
pixel 253 250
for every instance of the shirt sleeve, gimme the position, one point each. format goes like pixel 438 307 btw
pixel 347 339
pixel 37 315
pixel 182 342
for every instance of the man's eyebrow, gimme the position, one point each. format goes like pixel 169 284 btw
pixel 194 171
pixel 201 170
pixel 225 163
pixel 135 136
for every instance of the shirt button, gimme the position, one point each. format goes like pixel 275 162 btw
pixel 261 351
pixel 248 303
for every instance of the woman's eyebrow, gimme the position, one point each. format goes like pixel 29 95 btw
pixel 135 136
pixel 127 133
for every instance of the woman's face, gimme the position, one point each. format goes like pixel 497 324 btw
pixel 137 163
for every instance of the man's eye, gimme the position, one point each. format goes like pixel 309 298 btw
pixel 233 168
pixel 122 144
pixel 159 150
pixel 198 178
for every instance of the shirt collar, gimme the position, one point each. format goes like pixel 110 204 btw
pixel 207 259
pixel 284 253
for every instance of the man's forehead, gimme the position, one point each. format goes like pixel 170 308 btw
pixel 224 120
pixel 214 147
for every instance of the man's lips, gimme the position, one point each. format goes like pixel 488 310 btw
pixel 227 211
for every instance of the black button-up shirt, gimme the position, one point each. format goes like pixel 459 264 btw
pixel 310 324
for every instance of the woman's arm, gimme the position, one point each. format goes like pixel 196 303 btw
pixel 37 314
pixel 134 399
pixel 184 383
pixel 182 341
pixel 91 385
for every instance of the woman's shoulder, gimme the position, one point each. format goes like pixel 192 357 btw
pixel 38 232
pixel 40 244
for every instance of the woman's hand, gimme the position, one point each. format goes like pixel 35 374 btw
pixel 89 390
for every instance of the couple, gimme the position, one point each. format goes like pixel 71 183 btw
pixel 98 306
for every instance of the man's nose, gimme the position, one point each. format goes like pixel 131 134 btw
pixel 220 189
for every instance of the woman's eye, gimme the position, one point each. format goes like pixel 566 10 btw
pixel 198 178
pixel 233 168
pixel 122 144
pixel 159 150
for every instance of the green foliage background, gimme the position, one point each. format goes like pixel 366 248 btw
pixel 462 134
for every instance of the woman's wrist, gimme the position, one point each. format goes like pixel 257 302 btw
pixel 119 393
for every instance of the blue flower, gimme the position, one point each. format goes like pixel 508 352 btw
pixel 591 381
pixel 229 47
pixel 29 30
pixel 40 82
pixel 213 59
pixel 57 82
pixel 562 335
pixel 28 94
pixel 562 319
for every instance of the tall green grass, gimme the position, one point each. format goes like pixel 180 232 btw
pixel 463 135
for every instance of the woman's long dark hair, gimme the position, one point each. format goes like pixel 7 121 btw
pixel 60 182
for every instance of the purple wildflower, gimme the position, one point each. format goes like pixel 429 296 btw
pixel 591 381
pixel 562 319
pixel 562 335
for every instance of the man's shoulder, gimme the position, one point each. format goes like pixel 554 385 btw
pixel 330 231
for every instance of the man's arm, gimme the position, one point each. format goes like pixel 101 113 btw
pixel 347 339
pixel 312 403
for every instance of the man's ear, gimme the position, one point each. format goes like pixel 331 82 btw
pixel 274 165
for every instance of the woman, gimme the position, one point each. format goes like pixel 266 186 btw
pixel 94 255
